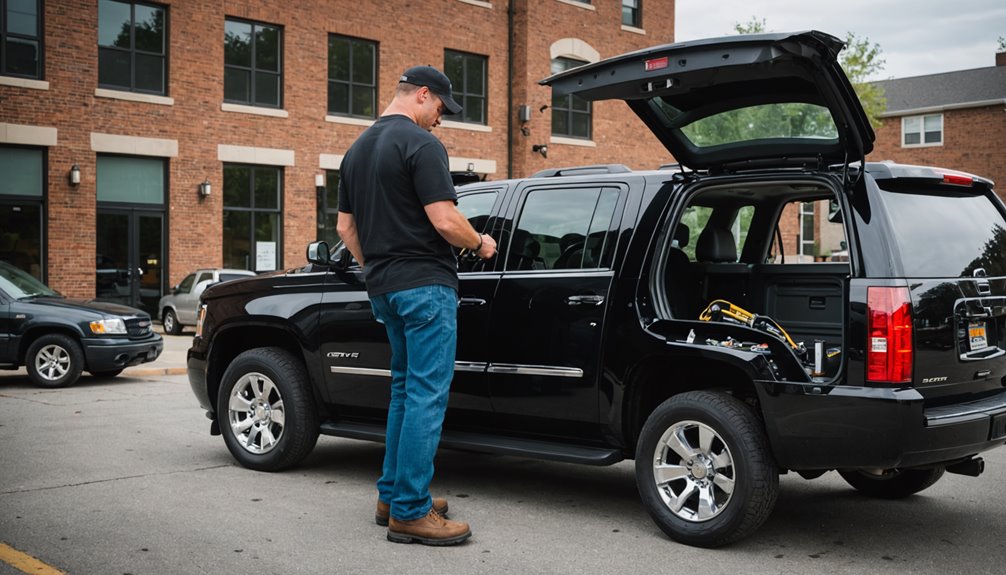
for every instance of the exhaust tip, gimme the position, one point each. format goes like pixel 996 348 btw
pixel 971 467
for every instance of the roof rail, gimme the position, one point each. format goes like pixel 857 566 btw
pixel 583 170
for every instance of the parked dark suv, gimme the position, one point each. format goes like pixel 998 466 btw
pixel 56 338
pixel 660 316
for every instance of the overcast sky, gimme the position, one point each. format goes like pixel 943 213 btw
pixel 916 37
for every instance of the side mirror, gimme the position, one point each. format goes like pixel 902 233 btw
pixel 834 212
pixel 317 253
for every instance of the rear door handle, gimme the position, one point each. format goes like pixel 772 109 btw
pixel 594 300
pixel 471 301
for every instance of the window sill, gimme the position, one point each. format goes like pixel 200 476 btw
pixel 24 83
pixel 928 145
pixel 633 29
pixel 478 3
pixel 452 125
pixel 254 110
pixel 572 142
pixel 578 4
pixel 133 97
pixel 349 120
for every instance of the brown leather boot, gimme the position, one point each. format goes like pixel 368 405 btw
pixel 430 530
pixel 384 510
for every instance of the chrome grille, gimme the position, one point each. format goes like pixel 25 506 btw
pixel 138 326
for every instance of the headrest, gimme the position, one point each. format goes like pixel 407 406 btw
pixel 681 236
pixel 716 245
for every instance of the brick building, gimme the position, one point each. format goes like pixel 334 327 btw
pixel 141 140
pixel 954 120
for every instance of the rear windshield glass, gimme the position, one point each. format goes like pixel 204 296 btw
pixel 948 235
pixel 779 121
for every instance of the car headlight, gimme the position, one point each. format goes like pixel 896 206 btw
pixel 111 326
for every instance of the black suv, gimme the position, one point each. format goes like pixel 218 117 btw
pixel 56 338
pixel 660 315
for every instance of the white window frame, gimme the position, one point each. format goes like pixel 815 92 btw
pixel 918 126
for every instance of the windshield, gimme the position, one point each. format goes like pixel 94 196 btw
pixel 19 284
pixel 945 236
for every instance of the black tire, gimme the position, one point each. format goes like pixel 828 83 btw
pixel 108 373
pixel 265 383
pixel 722 453
pixel 54 360
pixel 170 322
pixel 895 483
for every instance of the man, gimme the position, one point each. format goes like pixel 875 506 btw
pixel 399 219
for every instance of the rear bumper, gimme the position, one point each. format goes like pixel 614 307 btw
pixel 814 427
pixel 109 354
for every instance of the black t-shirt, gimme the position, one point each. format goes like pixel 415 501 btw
pixel 387 176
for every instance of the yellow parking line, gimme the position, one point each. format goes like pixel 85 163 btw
pixel 26 563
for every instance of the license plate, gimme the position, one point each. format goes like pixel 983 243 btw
pixel 976 333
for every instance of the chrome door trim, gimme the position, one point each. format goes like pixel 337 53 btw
pixel 546 370
pixel 361 371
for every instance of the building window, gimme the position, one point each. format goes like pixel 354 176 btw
pixel 252 217
pixel 571 114
pixel 132 52
pixel 467 73
pixel 352 77
pixel 328 208
pixel 22 209
pixel 808 237
pixel 632 13
pixel 21 38
pixel 922 130
pixel 253 71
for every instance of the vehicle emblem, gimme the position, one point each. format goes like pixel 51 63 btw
pixel 346 354
pixel 144 324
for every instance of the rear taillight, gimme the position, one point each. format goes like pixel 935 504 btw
pixel 889 329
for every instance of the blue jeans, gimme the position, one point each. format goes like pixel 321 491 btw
pixel 422 327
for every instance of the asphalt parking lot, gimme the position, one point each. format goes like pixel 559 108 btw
pixel 121 476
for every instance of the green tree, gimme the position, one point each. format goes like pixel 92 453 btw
pixel 860 59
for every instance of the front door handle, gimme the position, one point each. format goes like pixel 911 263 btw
pixel 471 301
pixel 594 300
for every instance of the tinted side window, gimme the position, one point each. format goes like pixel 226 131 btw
pixel 947 235
pixel 185 286
pixel 563 229
pixel 476 207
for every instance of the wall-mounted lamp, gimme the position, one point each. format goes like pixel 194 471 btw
pixel 541 149
pixel 75 175
pixel 205 189
pixel 471 167
pixel 319 180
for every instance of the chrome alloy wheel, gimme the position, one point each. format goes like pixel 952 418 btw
pixel 693 471
pixel 256 414
pixel 52 362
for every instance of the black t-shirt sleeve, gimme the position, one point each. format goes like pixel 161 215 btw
pixel 431 174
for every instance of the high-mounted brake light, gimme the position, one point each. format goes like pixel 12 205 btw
pixel 889 332
pixel 656 64
pixel 958 180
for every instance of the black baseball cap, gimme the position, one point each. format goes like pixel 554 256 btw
pixel 436 81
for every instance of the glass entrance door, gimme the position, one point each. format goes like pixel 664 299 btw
pixel 130 257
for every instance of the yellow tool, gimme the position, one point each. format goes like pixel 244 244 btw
pixel 722 310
